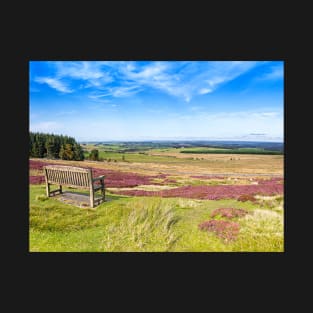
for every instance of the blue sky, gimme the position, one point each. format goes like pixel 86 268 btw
pixel 146 100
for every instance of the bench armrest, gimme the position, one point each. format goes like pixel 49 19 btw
pixel 98 178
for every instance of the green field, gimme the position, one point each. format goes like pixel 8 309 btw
pixel 231 151
pixel 166 155
pixel 140 157
pixel 148 224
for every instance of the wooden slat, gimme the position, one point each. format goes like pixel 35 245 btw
pixel 57 173
pixel 73 178
pixel 68 178
pixel 86 180
pixel 60 177
pixel 80 179
pixel 77 180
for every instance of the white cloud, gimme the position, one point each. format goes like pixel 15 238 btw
pixel 54 83
pixel 204 91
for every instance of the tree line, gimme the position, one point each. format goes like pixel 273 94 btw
pixel 55 147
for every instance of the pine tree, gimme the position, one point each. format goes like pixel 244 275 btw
pixel 78 152
pixel 67 152
pixel 50 147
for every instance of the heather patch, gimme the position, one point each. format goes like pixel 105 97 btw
pixel 36 180
pixel 229 212
pixel 225 230
pixel 211 192
pixel 113 178
pixel 142 187
pixel 244 198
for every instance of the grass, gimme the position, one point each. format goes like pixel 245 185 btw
pixel 232 151
pixel 148 224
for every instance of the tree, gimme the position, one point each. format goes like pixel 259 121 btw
pixel 67 152
pixel 51 147
pixel 41 146
pixel 78 152
pixel 35 150
pixel 94 155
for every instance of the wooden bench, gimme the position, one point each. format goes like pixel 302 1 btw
pixel 73 177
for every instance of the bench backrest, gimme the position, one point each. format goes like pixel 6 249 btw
pixel 68 175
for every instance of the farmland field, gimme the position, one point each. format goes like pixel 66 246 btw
pixel 162 199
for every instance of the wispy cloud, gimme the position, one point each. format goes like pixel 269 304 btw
pixel 54 83
pixel 90 71
pixel 186 79
pixel 183 80
pixel 276 72
pixel 122 91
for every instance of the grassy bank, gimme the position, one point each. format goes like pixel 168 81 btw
pixel 149 224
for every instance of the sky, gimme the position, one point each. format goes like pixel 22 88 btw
pixel 158 100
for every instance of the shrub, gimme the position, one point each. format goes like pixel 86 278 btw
pixel 225 230
pixel 247 197
pixel 229 212
pixel 94 155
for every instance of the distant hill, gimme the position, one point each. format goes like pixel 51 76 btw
pixel 143 145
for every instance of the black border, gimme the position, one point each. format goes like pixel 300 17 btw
pixel 251 40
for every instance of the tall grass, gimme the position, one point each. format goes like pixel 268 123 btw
pixel 147 227
pixel 261 231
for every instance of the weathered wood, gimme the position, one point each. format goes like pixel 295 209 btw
pixel 75 177
pixel 92 190
pixel 47 184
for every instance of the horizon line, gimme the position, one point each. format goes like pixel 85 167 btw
pixel 143 140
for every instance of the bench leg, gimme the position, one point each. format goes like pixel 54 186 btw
pixel 92 197
pixel 48 189
pixel 103 191
pixel 61 189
